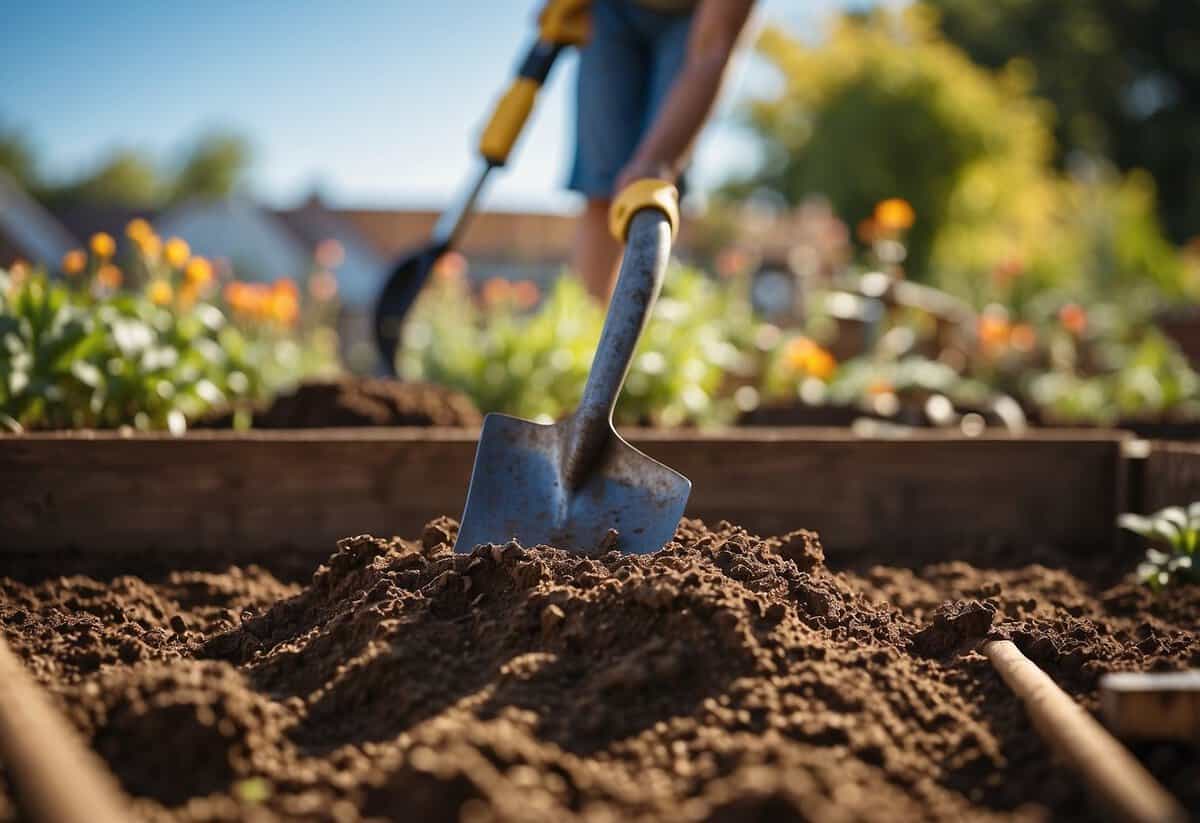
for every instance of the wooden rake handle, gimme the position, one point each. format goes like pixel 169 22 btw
pixel 56 778
pixel 1105 765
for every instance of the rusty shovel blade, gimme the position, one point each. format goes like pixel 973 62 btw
pixel 577 484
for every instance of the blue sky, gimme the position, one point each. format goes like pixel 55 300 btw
pixel 377 103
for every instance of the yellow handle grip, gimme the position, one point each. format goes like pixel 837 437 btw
pixel 649 193
pixel 507 120
pixel 565 22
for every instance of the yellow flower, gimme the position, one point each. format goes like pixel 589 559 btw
pixel 177 252
pixel 137 229
pixel 109 276
pixel 895 214
pixel 73 262
pixel 803 355
pixel 198 272
pixel 150 246
pixel 160 292
pixel 103 246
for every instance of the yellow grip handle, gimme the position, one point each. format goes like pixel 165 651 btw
pixel 649 193
pixel 507 120
pixel 565 22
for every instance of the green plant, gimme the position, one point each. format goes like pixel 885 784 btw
pixel 1173 534
pixel 535 364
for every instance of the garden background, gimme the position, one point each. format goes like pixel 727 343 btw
pixel 939 214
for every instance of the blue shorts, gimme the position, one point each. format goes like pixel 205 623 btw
pixel 625 72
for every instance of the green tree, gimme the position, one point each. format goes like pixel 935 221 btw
pixel 213 168
pixel 886 108
pixel 18 160
pixel 125 178
pixel 1124 76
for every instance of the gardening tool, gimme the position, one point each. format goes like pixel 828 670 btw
pixel 562 23
pixel 1116 777
pixel 576 484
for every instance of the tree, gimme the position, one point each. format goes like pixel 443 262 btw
pixel 125 178
pixel 18 160
pixel 1124 76
pixel 213 168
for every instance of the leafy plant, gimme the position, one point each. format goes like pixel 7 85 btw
pixel 1173 533
pixel 146 346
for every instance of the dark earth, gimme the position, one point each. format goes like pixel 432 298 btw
pixel 360 401
pixel 725 678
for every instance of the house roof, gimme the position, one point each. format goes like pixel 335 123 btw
pixel 27 230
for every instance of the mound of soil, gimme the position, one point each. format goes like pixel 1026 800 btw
pixel 726 677
pixel 361 401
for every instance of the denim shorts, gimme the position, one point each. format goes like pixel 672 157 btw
pixel 625 73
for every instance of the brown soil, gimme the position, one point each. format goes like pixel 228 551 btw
pixel 362 401
pixel 724 678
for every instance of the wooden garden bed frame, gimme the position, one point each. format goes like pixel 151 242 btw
pixel 300 491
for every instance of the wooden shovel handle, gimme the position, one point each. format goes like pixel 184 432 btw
pixel 56 778
pixel 1104 764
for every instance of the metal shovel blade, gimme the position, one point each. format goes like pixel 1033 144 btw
pixel 518 492
pixel 576 484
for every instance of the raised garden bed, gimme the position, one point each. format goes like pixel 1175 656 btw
pixel 728 677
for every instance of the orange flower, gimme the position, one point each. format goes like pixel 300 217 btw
pixel 150 246
pixel 176 252
pixel 803 355
pixel 74 261
pixel 1023 337
pixel 895 214
pixel 993 331
pixel 138 228
pixel 451 267
pixel 1073 318
pixel 283 302
pixel 526 294
pixel 102 245
pixel 879 386
pixel 160 292
pixel 495 291
pixel 109 276
pixel 198 272
pixel 188 294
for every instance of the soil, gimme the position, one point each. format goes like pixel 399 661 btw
pixel 724 678
pixel 361 401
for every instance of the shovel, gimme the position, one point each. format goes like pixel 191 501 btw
pixel 562 23
pixel 576 484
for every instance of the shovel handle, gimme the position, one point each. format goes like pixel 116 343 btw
pixel 649 217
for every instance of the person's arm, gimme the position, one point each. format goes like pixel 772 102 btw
pixel 664 149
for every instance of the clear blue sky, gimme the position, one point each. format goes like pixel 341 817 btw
pixel 377 102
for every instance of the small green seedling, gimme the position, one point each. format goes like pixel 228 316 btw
pixel 1174 534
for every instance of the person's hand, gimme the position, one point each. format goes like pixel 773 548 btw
pixel 638 169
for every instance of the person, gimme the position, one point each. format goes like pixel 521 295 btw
pixel 648 78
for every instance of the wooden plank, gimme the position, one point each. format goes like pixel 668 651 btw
pixel 1172 476
pixel 302 490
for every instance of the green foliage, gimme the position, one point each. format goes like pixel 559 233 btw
pixel 213 166
pixel 535 365
pixel 1121 73
pixel 74 360
pixel 885 107
pixel 1173 534
pixel 212 169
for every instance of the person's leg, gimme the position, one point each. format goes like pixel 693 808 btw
pixel 595 255
pixel 610 109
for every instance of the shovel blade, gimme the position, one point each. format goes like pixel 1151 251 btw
pixel 517 492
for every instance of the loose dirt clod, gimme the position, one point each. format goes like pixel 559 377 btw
pixel 726 677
